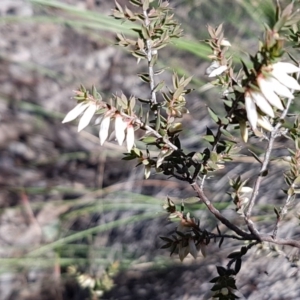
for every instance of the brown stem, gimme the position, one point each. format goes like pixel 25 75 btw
pixel 217 213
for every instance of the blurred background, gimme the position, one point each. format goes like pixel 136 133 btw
pixel 75 221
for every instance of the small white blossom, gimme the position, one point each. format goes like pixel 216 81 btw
pixel 263 122
pixel 104 127
pixel 75 112
pixel 87 116
pixel 259 99
pixel 225 43
pixel 268 90
pixel 280 72
pixel 218 71
pixel 246 189
pixel 130 137
pixel 273 83
pixel 251 110
pixel 120 126
pixel 87 108
pixel 215 69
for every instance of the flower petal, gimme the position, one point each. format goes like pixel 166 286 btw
pixel 75 112
pixel 280 89
pixel 104 127
pixel 217 71
pixel 268 93
pixel 87 116
pixel 251 110
pixel 286 80
pixel 262 103
pixel 120 127
pixel 264 123
pixel 285 67
pixel 130 137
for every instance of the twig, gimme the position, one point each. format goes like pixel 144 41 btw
pixel 149 53
pixel 245 235
pixel 154 132
pixel 217 213
pixel 263 170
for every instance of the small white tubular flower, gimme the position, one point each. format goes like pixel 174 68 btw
pixel 225 43
pixel 262 103
pixel 246 189
pixel 285 67
pixel 267 90
pixel 120 127
pixel 75 112
pixel 87 116
pixel 280 72
pixel 130 137
pixel 104 127
pixel 264 123
pixel 251 110
pixel 218 71
pixel 279 89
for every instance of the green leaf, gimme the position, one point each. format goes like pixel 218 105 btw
pixel 136 3
pixel 221 270
pixel 191 200
pixel 144 77
pixel 214 157
pixel 214 280
pixel 277 213
pixel 213 115
pixel 255 156
pixel 149 140
pixel 221 242
pixel 238 265
pixel 234 254
pixel 159 86
pixel 209 138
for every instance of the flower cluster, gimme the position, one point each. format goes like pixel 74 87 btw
pixel 123 125
pixel 271 83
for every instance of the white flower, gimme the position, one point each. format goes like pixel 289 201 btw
pixel 120 127
pixel 251 109
pixel 87 116
pixel 280 72
pixel 215 69
pixel 253 98
pixel 273 83
pixel 259 99
pixel 263 122
pixel 104 127
pixel 130 137
pixel 87 108
pixel 225 43
pixel 268 90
